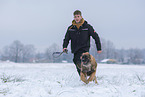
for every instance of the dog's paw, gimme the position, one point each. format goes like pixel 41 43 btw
pixel 87 82
pixel 96 82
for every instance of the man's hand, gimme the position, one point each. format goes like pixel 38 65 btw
pixel 99 52
pixel 65 50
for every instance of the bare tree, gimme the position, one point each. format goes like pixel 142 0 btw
pixel 15 50
pixel 121 54
pixel 53 48
pixel 28 52
pixel 108 50
pixel 48 54
pixel 5 54
pixel 135 56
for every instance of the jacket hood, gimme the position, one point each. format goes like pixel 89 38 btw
pixel 78 24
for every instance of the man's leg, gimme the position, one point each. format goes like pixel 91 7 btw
pixel 77 61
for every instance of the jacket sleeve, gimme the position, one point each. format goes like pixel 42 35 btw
pixel 66 39
pixel 95 37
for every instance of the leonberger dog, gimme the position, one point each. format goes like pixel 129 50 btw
pixel 88 68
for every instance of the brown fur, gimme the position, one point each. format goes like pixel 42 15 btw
pixel 92 74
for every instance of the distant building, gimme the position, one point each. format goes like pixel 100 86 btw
pixel 64 61
pixel 109 61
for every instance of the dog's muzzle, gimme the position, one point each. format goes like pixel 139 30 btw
pixel 85 61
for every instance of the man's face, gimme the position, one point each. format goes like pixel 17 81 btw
pixel 77 18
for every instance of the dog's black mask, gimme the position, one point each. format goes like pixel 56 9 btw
pixel 85 59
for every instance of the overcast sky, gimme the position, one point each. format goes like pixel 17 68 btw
pixel 43 22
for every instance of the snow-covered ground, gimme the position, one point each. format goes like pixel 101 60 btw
pixel 62 80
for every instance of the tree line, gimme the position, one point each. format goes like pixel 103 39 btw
pixel 122 56
pixel 20 53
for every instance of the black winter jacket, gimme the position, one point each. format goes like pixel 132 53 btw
pixel 80 38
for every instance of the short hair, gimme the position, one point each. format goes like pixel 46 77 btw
pixel 77 12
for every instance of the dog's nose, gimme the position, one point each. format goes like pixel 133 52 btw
pixel 83 60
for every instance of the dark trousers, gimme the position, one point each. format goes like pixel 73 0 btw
pixel 77 60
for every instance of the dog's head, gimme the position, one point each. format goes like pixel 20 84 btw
pixel 85 58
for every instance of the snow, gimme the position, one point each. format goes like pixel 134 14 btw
pixel 105 60
pixel 62 80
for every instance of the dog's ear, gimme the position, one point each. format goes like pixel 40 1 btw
pixel 87 53
pixel 89 56
pixel 81 56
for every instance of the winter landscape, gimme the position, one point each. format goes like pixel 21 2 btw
pixel 31 31
pixel 62 80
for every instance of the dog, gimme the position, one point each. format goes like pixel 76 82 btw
pixel 88 68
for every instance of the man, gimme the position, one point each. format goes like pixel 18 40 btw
pixel 79 33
